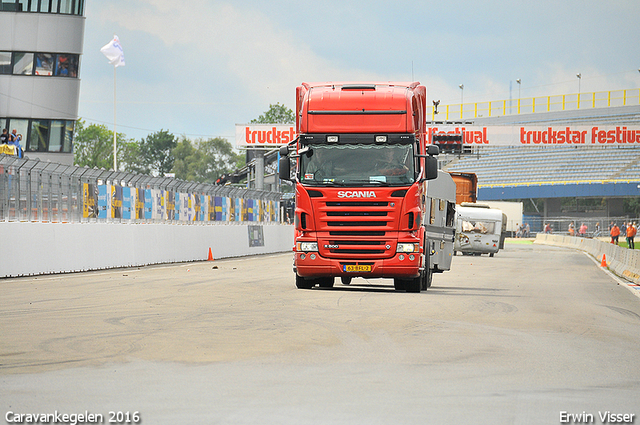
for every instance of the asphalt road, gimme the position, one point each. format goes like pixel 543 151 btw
pixel 528 336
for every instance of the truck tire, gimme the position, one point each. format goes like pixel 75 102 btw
pixel 326 282
pixel 398 284
pixel 302 283
pixel 427 274
pixel 414 285
pixel 346 280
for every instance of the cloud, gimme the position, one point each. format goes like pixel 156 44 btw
pixel 261 57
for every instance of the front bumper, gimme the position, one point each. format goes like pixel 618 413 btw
pixel 312 264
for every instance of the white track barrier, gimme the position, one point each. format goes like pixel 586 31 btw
pixel 623 262
pixel 45 248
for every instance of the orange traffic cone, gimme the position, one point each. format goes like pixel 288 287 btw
pixel 604 261
pixel 210 255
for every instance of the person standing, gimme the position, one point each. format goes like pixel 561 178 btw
pixel 597 232
pixel 615 233
pixel 4 138
pixel 631 233
pixel 14 139
pixel 583 230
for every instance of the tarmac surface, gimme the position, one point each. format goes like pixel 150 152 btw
pixel 525 337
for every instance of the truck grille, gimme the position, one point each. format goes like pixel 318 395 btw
pixel 356 229
pixel 357 247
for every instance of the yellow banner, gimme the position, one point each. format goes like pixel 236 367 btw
pixel 7 149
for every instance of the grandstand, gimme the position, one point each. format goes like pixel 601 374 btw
pixel 552 172
pixel 550 164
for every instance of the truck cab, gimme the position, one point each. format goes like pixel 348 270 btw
pixel 362 177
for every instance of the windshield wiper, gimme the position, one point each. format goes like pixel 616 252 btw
pixel 321 183
pixel 370 182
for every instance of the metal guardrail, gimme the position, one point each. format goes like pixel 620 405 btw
pixel 38 191
pixel 532 105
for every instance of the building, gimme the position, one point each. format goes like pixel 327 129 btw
pixel 40 54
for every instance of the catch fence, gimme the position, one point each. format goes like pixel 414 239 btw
pixel 38 191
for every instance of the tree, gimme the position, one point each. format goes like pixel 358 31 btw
pixel 155 155
pixel 277 114
pixel 204 161
pixel 93 145
pixel 185 157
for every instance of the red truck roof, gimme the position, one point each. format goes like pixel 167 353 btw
pixel 360 107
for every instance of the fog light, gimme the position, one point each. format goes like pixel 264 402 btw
pixel 381 139
pixel 400 257
pixel 412 257
pixel 312 256
pixel 332 139
pixel 302 256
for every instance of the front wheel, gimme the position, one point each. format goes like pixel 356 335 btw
pixel 398 284
pixel 302 283
pixel 415 285
pixel 326 282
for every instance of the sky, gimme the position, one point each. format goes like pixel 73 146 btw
pixel 200 67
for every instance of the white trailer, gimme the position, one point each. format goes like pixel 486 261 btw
pixel 440 223
pixel 478 229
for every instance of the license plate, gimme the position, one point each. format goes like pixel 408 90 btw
pixel 357 268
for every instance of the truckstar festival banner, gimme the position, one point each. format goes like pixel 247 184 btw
pixel 264 135
pixel 607 135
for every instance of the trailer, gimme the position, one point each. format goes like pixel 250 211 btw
pixel 479 229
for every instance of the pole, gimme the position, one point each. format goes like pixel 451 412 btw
pixel 115 158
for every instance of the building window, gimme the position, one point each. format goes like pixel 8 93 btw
pixel 39 136
pixel 21 127
pixel 23 63
pixel 44 64
pixel 70 7
pixel 42 135
pixel 67 66
pixel 5 62
pixel 66 6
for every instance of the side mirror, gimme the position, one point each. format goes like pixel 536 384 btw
pixel 431 165
pixel 284 150
pixel 284 168
pixel 430 162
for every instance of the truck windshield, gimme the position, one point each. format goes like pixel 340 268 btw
pixel 358 165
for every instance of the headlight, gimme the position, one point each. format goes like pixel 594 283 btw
pixel 408 247
pixel 306 246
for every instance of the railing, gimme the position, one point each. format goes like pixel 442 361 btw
pixel 564 102
pixel 32 190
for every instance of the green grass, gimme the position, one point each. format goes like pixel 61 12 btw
pixel 626 245
pixel 519 241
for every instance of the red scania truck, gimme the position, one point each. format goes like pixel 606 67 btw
pixel 370 201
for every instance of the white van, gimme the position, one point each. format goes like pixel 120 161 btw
pixel 478 229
